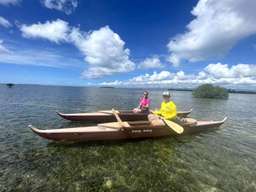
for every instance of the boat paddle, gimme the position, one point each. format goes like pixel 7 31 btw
pixel 174 126
pixel 119 120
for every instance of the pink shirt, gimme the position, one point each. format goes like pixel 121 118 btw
pixel 144 102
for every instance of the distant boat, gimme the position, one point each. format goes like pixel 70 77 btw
pixel 10 85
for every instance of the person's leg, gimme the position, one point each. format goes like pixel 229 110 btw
pixel 180 121
pixel 185 121
pixel 155 120
pixel 146 111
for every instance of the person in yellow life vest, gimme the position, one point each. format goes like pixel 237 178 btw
pixel 167 111
pixel 168 108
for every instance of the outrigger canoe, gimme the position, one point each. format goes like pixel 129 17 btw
pixel 107 116
pixel 114 131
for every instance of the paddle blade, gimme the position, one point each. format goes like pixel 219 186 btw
pixel 174 126
pixel 121 123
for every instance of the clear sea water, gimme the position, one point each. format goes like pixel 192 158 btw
pixel 221 160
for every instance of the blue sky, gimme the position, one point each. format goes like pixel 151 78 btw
pixel 175 43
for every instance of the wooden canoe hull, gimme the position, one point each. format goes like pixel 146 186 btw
pixel 102 117
pixel 96 133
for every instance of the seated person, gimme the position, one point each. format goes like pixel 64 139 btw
pixel 167 111
pixel 143 105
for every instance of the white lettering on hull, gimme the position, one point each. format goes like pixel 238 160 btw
pixel 142 131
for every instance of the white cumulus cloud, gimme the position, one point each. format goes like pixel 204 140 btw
pixel 163 75
pixel 220 70
pixel 55 31
pixel 112 83
pixel 150 63
pixel 104 51
pixel 217 27
pixel 221 74
pixel 9 2
pixel 66 6
pixel 4 22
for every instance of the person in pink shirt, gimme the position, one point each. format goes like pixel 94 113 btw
pixel 144 104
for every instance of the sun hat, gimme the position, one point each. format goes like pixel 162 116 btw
pixel 166 93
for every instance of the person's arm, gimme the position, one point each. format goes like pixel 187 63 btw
pixel 158 112
pixel 139 106
pixel 148 105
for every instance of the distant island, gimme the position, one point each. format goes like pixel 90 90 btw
pixel 107 87
pixel 9 85
pixel 210 91
pixel 240 91
pixel 229 90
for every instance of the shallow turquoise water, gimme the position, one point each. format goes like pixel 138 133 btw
pixel 222 160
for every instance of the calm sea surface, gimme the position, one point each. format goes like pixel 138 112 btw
pixel 222 160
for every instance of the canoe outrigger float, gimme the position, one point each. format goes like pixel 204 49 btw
pixel 117 131
pixel 107 116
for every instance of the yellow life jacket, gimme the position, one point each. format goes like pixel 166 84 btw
pixel 167 110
